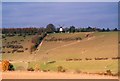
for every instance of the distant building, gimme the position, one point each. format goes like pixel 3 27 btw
pixel 61 29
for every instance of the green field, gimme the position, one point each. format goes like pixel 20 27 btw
pixel 83 66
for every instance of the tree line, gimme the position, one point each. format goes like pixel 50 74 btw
pixel 50 28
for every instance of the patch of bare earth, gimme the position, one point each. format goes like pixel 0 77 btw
pixel 51 75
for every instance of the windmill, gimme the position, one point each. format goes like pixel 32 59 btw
pixel 61 28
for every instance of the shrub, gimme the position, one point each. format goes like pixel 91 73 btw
pixel 36 68
pixel 108 72
pixel 30 69
pixel 3 36
pixel 116 74
pixel 61 69
pixel 6 66
pixel 45 70
pixel 8 52
pixel 26 48
pixel 32 48
pixel 35 42
pixel 11 67
pixel 50 62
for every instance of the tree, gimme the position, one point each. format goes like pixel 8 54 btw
pixel 36 39
pixel 108 30
pixel 115 29
pixel 66 29
pixel 50 28
pixel 83 29
pixel 103 30
pixel 32 48
pixel 89 29
pixel 34 43
pixel 72 29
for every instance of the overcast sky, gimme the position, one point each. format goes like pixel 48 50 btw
pixel 79 14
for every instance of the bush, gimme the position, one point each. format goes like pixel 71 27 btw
pixel 36 40
pixel 45 70
pixel 108 72
pixel 116 74
pixel 11 67
pixel 36 67
pixel 30 69
pixel 6 66
pixel 61 69
pixel 32 48
pixel 26 48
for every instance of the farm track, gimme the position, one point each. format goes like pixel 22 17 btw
pixel 63 46
pixel 51 75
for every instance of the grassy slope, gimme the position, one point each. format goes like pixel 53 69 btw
pixel 84 66
pixel 103 44
pixel 100 45
pixel 17 56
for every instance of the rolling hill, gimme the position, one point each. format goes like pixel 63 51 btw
pixel 73 51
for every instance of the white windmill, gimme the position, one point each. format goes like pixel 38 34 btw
pixel 61 28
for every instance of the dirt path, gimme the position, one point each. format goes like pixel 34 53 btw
pixel 48 75
pixel 63 46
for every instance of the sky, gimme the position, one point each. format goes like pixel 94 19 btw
pixel 78 14
pixel 60 0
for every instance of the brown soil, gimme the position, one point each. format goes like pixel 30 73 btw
pixel 51 75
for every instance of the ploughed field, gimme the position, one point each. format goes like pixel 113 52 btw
pixel 92 52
